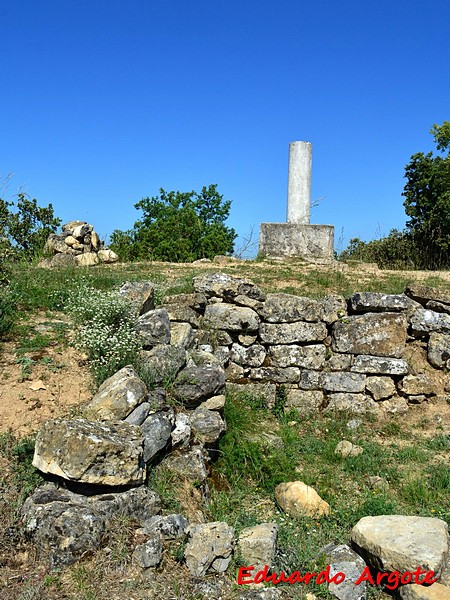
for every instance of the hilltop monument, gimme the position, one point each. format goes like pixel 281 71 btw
pixel 297 238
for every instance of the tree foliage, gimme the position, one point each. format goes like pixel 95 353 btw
pixel 425 242
pixel 178 227
pixel 427 201
pixel 25 226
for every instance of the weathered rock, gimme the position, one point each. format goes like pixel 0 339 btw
pixel 214 403
pixel 117 396
pixel 292 333
pixel 139 414
pixel 88 259
pixel 156 429
pixel 154 326
pixel 414 385
pixel 64 525
pixel 438 349
pixel 291 355
pixel 95 240
pixel 141 294
pixel 251 356
pixel 339 362
pixel 208 425
pixel 287 375
pixel 311 380
pixel 247 340
pixel 286 308
pixel 107 256
pixel 183 314
pixel 226 286
pixel 70 240
pixel 213 337
pixel 424 322
pixel 401 543
pixel 334 307
pixel 395 406
pixel 377 365
pixel 257 545
pixel 344 382
pixel 157 399
pixel 423 294
pixel 70 226
pixel 231 318
pixel 190 465
pixel 55 244
pixel 182 335
pixel 181 433
pixel 164 362
pixel 347 449
pixel 170 527
pixel 417 399
pixel 355 404
pixel 81 230
pixel 342 559
pixel 380 387
pixel 209 548
pixel 235 372
pixel 362 302
pixel 149 554
pixel 222 353
pixel 298 499
pixel 304 401
pixel 437 591
pixel 91 452
pixel 195 384
pixel 437 307
pixel 203 358
pixel 256 305
pixel 63 261
pixel 382 334
pixel 195 301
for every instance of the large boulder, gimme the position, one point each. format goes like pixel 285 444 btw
pixel 226 286
pixel 362 302
pixel 193 385
pixel 157 428
pixel 257 545
pixel 117 396
pixel 286 308
pixel 382 334
pixel 292 333
pixel 141 294
pixel 163 362
pixel 91 452
pixel 401 543
pixel 154 327
pixel 207 425
pixel 231 318
pixel 64 525
pixel 291 355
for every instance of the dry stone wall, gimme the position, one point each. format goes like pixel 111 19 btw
pixel 334 354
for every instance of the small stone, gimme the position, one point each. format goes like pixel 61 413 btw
pixel 356 404
pixel 181 433
pixel 208 425
pixel 209 548
pixel 298 499
pixel 376 365
pixel 421 384
pixel 347 449
pixel 380 387
pixel 304 401
pixel 149 554
pixel 257 545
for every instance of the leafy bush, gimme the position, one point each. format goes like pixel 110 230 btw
pixel 106 333
pixel 25 229
pixel 178 227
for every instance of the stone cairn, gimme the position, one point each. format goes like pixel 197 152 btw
pixel 333 355
pixel 77 245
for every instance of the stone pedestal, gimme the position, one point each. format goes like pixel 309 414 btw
pixel 297 238
pixel 314 243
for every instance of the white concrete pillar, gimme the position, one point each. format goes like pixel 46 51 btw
pixel 299 182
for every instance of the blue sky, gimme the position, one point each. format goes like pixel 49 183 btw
pixel 105 101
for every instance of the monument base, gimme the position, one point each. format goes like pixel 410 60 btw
pixel 314 243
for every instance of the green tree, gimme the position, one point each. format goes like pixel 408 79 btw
pixel 25 226
pixel 427 201
pixel 178 227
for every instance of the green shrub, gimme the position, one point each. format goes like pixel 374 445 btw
pixel 8 307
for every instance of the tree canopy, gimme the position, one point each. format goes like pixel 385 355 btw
pixel 178 227
pixel 427 200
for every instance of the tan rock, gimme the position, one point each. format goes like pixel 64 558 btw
pixel 107 256
pixel 298 499
pixel 420 592
pixel 70 240
pixel 347 449
pixel 87 260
